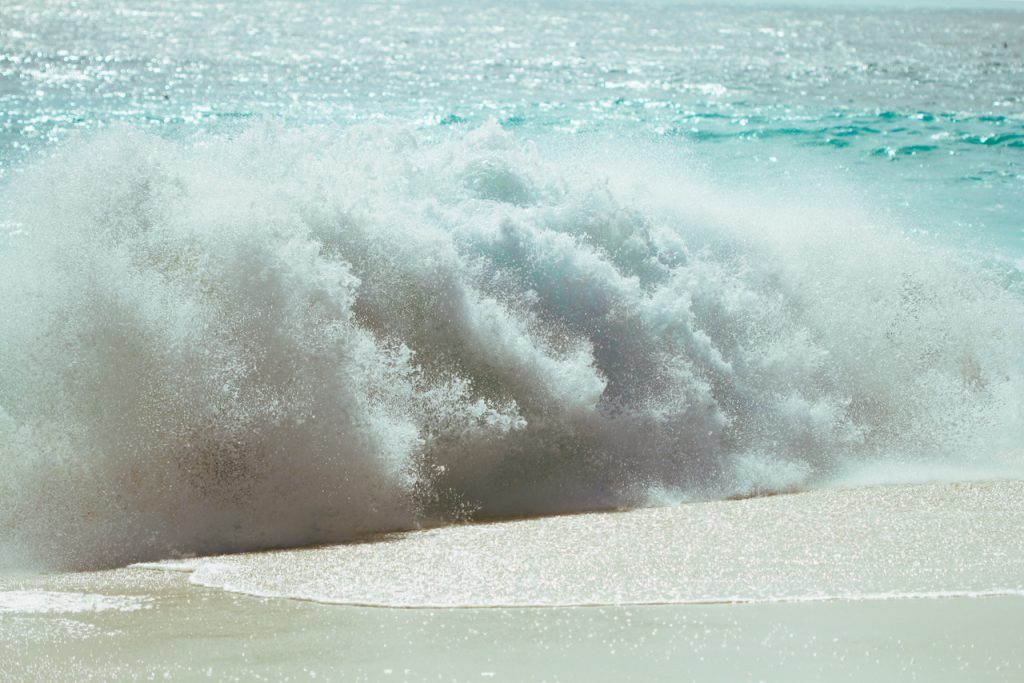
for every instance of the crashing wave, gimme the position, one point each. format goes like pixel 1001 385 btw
pixel 295 336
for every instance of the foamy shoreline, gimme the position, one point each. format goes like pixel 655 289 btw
pixel 137 622
pixel 198 633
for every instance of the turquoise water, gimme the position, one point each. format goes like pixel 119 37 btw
pixel 927 100
pixel 279 272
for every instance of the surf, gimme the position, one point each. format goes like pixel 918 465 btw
pixel 294 335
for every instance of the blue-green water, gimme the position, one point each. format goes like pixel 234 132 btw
pixel 928 101
pixel 280 272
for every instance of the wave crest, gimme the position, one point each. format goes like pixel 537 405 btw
pixel 293 336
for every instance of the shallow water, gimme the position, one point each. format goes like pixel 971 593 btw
pixel 195 633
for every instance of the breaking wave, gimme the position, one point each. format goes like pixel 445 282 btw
pixel 291 336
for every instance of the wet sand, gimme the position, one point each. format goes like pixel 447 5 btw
pixel 937 540
pixel 188 632
pixel 784 556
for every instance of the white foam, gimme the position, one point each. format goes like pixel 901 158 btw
pixel 181 565
pixel 48 602
pixel 295 336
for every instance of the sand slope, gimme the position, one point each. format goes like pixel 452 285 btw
pixel 910 541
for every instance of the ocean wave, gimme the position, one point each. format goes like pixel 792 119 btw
pixel 291 336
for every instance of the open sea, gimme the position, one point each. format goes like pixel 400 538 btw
pixel 276 273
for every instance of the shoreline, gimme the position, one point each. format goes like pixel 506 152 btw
pixel 896 541
pixel 189 632
pixel 781 554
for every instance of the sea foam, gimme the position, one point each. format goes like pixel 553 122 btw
pixel 290 336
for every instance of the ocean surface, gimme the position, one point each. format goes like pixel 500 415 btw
pixel 276 273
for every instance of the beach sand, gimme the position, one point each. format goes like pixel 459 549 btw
pixel 149 623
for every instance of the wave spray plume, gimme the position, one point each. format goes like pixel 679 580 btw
pixel 294 336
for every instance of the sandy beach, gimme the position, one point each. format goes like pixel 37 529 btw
pixel 836 609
